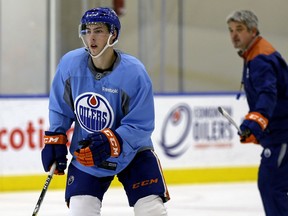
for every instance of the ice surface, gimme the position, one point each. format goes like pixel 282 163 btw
pixel 237 199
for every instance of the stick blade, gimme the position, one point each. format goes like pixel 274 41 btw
pixel 229 118
pixel 220 109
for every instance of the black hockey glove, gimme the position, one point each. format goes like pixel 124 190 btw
pixel 55 149
pixel 252 127
pixel 98 147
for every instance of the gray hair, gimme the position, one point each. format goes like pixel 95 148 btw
pixel 246 17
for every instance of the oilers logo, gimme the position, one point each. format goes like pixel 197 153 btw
pixel 200 127
pixel 178 121
pixel 93 112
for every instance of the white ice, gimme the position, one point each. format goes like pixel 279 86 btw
pixel 237 199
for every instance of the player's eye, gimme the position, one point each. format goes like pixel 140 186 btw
pixel 98 31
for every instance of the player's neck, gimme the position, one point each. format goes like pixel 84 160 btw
pixel 105 60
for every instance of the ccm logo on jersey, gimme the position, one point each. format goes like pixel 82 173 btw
pixel 114 144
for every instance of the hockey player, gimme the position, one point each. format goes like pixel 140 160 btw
pixel 109 97
pixel 265 80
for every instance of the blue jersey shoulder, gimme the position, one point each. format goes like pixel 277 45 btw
pixel 131 66
pixel 73 60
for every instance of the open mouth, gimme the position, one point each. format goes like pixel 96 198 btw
pixel 93 46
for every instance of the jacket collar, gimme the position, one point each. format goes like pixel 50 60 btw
pixel 245 53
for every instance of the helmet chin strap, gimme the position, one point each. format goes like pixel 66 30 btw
pixel 103 50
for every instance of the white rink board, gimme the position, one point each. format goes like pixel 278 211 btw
pixel 189 133
pixel 209 140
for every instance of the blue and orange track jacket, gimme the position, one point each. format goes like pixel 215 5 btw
pixel 265 80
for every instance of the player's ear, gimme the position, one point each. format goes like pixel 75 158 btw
pixel 255 31
pixel 114 35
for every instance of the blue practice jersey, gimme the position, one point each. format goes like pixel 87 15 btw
pixel 121 99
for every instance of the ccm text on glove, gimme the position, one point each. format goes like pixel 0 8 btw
pixel 252 127
pixel 55 150
pixel 98 147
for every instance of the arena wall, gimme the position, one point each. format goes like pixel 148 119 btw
pixel 193 141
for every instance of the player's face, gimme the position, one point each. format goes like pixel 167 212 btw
pixel 96 37
pixel 240 35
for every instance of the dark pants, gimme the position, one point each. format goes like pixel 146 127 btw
pixel 273 180
pixel 142 177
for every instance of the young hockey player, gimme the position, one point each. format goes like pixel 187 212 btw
pixel 108 95
pixel 265 80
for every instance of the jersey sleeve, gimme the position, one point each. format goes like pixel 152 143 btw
pixel 138 124
pixel 61 113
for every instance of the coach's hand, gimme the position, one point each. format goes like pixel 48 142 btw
pixel 98 147
pixel 252 127
pixel 55 150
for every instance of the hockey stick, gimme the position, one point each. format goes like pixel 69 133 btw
pixel 229 118
pixel 44 190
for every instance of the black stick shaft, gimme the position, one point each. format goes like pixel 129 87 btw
pixel 44 190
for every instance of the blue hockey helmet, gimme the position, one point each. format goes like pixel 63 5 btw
pixel 101 14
